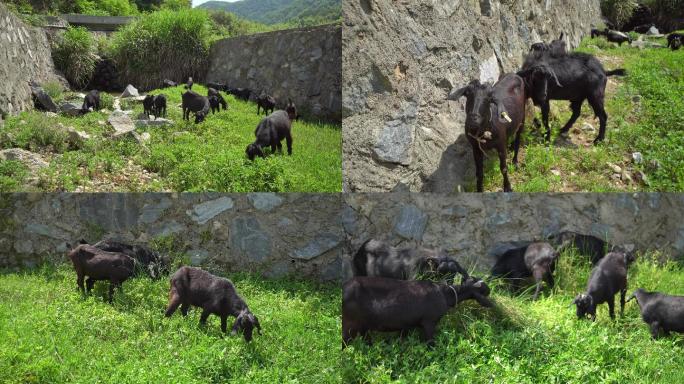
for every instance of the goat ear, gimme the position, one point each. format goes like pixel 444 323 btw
pixel 457 94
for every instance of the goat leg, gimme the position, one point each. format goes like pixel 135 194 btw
pixel 545 108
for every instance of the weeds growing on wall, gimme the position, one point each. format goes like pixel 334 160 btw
pixel 164 44
pixel 74 53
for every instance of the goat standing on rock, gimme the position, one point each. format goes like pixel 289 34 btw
pixel 494 113
pixel 215 295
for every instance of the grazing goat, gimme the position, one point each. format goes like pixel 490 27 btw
pixel 675 40
pixel 267 103
pixel 240 93
pixel 587 245
pixel 148 105
pixel 218 86
pixel 159 106
pixel 100 265
pixel 215 295
pixel 660 311
pixel 576 77
pixel 194 102
pixel 168 83
pixel 91 100
pixel 218 99
pixel 270 132
pixel 607 278
pixel 617 37
pixel 147 259
pixel 390 305
pixel 494 113
pixel 377 258
pixel 536 260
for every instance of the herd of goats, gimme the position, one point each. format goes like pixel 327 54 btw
pixel 394 289
pixel 270 132
pixel 494 113
pixel 400 289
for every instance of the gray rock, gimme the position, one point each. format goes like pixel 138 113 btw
pixel 411 222
pixel 396 138
pixel 201 213
pixel 50 231
pixel 130 91
pixel 653 31
pixel 249 240
pixel 141 138
pixel 637 158
pixel 265 201
pixel 615 168
pixel 197 256
pixel 70 109
pixel 586 127
pixel 167 228
pixel 31 160
pixel 151 212
pixel 76 138
pixel 321 244
pixel 121 122
pixel 160 122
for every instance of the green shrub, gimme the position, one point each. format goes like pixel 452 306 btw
pixel 54 89
pixel 12 175
pixel 34 132
pixel 618 11
pixel 164 44
pixel 106 101
pixel 74 55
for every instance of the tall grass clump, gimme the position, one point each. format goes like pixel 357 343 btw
pixel 618 11
pixel 164 44
pixel 74 54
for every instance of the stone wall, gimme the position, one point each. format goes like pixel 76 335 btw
pixel 24 56
pixel 400 60
pixel 470 225
pixel 262 232
pixel 301 64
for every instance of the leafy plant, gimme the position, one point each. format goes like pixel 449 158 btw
pixel 74 54
pixel 618 11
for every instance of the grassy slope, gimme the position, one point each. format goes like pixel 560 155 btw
pixel 50 334
pixel 652 127
pixel 208 156
pixel 532 342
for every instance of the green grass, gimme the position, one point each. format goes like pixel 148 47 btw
pixel 50 333
pixel 182 157
pixel 652 126
pixel 532 342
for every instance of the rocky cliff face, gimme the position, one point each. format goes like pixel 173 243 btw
pixel 400 60
pixel 24 56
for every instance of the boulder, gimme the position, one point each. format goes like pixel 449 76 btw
pixel 70 109
pixel 121 122
pixel 130 91
pixel 153 123
pixel 31 160
pixel 76 138
pixel 42 101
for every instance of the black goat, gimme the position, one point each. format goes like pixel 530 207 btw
pixel 617 37
pixel 494 113
pixel 537 260
pixel 267 103
pixel 377 258
pixel 194 102
pixel 218 86
pixel 91 100
pixel 159 106
pixel 607 278
pixel 576 77
pixel 390 305
pixel 215 295
pixel 100 265
pixel 587 245
pixel 597 32
pixel 291 110
pixel 660 311
pixel 148 105
pixel 240 93
pixel 675 40
pixel 270 132
pixel 147 259
pixel 218 99
pixel 168 83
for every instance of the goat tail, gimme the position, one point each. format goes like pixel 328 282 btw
pixel 360 260
pixel 617 72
